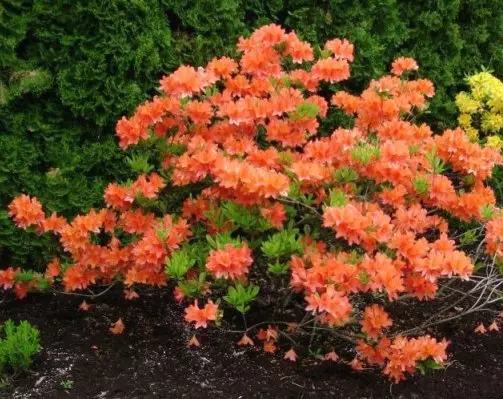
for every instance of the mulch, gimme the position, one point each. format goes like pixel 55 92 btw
pixel 151 359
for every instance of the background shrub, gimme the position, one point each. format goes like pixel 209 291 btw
pixel 69 69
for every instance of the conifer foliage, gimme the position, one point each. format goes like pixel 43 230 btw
pixel 70 69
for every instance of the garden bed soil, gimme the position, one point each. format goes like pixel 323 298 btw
pixel 151 359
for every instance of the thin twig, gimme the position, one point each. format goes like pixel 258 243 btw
pixel 85 295
pixel 294 202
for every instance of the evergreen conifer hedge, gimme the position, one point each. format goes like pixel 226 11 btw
pixel 69 69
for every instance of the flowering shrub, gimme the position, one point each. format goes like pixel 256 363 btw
pixel 481 109
pixel 326 228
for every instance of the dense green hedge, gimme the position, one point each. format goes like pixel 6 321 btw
pixel 69 69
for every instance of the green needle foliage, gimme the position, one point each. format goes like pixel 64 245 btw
pixel 69 69
pixel 18 345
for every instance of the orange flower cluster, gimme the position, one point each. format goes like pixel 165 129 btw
pixel 7 278
pixel 268 337
pixel 357 225
pixel 21 288
pixel 374 320
pixel 230 262
pixel 494 235
pixel 416 269
pixel 139 262
pixel 26 211
pixel 402 355
pixel 122 198
pixel 333 304
pixel 201 316
pixel 402 65
pixel 275 214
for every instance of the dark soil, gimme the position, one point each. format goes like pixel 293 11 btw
pixel 151 359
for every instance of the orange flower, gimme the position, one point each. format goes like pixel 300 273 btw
pixel 119 197
pixel 200 112
pixel 330 69
pixel 334 303
pixel 403 64
pixel 131 294
pixel 270 347
pixel 229 262
pixel 290 355
pixel 265 36
pixel 184 81
pixel 134 222
pixel 307 79
pixel 246 340
pixel 7 278
pixel 129 132
pixel 374 355
pixel 54 223
pixel 262 334
pixel 222 67
pixel 383 272
pixel 341 49
pixel 332 356
pixel 271 334
pixel 149 186
pixel 117 327
pixel 21 289
pixel 275 215
pixel 178 294
pixel 403 354
pixel 299 51
pixel 53 269
pixel 201 317
pixel 493 326
pixel 480 329
pixel 77 277
pixel 374 320
pixel 356 364
pixel 193 341
pixel 84 306
pixel 261 62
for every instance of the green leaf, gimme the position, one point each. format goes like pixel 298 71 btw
pixel 179 263
pixel 468 237
pixel 421 185
pixel 428 364
pixel 193 288
pixel 283 244
pixel 25 276
pixel 305 109
pixel 221 240
pixel 240 297
pixel 365 153
pixel 244 217
pixel 436 164
pixel 487 211
pixel 345 174
pixel 139 163
pixel 278 269
pixel 336 198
